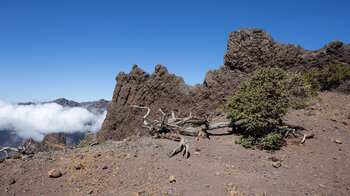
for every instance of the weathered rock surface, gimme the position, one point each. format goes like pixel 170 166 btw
pixel 158 90
pixel 248 50
pixel 54 138
pixel 51 142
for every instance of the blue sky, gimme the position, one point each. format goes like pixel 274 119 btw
pixel 75 48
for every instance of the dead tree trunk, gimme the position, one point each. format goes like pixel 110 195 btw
pixel 21 150
pixel 175 128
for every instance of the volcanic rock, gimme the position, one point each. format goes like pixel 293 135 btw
pixel 54 138
pixel 54 141
pixel 248 50
pixel 159 90
pixel 54 173
pixel 90 138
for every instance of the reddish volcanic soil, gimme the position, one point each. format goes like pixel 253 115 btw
pixel 140 166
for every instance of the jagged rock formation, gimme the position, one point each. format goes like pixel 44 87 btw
pixel 248 49
pixel 51 142
pixel 159 90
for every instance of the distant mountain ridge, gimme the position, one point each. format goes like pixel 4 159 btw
pixel 96 107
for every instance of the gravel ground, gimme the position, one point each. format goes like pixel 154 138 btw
pixel 140 166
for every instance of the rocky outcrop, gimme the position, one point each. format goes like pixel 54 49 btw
pixel 158 90
pixel 166 91
pixel 248 50
pixel 51 142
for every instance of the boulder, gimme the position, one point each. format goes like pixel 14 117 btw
pixel 90 138
pixel 54 141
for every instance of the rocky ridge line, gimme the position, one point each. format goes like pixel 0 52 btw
pixel 248 50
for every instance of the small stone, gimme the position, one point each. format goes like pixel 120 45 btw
pixel 308 113
pixel 11 181
pixel 105 167
pixel 172 179
pixel 276 164
pixel 207 185
pixel 79 166
pixel 198 149
pixel 97 154
pixel 81 156
pixel 217 173
pixel 321 185
pixel 25 157
pixel 196 153
pixel 54 173
pixel 338 141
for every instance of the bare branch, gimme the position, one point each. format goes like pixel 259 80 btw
pixel 219 125
pixel 145 116
pixel 7 149
pixel 183 147
pixel 303 140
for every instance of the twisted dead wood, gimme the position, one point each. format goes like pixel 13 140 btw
pixel 175 128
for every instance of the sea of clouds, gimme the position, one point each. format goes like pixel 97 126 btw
pixel 36 121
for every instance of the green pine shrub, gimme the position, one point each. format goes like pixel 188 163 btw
pixel 246 142
pixel 271 141
pixel 82 144
pixel 260 103
pixel 328 77
pixel 334 74
pixel 300 90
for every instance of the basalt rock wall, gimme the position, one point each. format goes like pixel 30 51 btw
pixel 248 50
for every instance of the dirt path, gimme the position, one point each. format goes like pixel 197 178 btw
pixel 320 166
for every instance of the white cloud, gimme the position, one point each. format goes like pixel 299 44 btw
pixel 37 120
